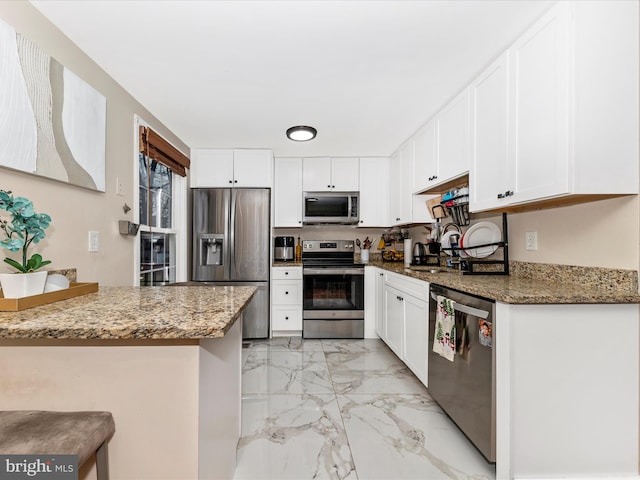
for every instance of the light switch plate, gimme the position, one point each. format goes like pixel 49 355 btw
pixel 94 241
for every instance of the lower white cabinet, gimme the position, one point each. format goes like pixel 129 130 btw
pixel 286 300
pixel 416 335
pixel 394 315
pixel 405 323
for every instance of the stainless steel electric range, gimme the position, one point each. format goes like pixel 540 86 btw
pixel 333 290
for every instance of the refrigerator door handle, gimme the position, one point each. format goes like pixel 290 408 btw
pixel 232 235
pixel 458 307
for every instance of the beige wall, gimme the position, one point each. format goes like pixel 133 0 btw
pixel 76 211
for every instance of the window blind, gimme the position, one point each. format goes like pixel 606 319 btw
pixel 154 146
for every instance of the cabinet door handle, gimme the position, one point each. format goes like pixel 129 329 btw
pixel 508 193
pixel 328 186
pixel 286 318
pixel 286 273
pixel 286 293
pixel 235 181
pixel 397 219
pixel 500 195
pixel 230 181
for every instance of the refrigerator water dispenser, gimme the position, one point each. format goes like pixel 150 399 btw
pixel 210 249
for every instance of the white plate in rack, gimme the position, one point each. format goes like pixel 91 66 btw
pixel 481 233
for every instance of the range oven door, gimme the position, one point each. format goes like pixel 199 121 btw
pixel 333 302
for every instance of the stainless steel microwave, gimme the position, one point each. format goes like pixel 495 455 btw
pixel 331 207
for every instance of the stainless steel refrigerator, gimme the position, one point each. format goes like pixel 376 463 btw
pixel 231 235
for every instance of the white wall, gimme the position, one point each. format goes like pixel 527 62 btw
pixel 74 210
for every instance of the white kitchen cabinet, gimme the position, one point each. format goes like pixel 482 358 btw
pixel 406 321
pixel 416 335
pixel 286 300
pixel 405 207
pixel 425 160
pixel 211 168
pixel 572 110
pixel 400 200
pixel 453 139
pixel 373 277
pixel 322 174
pixel 489 171
pixel 374 192
pixel 539 108
pixel 380 318
pixel 394 319
pixel 220 168
pixel 442 147
pixel 287 192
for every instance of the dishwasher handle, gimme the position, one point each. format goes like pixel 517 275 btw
pixel 459 307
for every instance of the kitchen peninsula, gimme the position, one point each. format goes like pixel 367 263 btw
pixel 166 361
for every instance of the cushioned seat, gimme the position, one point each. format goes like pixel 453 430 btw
pixel 71 433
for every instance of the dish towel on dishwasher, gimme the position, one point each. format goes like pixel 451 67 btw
pixel 444 340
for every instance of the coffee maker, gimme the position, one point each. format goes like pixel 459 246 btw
pixel 283 249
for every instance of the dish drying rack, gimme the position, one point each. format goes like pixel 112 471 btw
pixel 470 263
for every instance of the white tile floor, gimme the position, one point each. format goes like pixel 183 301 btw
pixel 344 409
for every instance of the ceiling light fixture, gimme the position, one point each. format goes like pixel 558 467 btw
pixel 301 133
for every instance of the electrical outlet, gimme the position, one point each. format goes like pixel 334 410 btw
pixel 531 240
pixel 119 187
pixel 94 241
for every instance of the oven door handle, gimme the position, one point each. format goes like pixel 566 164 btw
pixel 333 271
pixel 458 307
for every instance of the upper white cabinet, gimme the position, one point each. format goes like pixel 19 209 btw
pixel 216 168
pixel 287 192
pixel 452 139
pixel 321 174
pixel 405 207
pixel 489 177
pixel 442 147
pixel 374 192
pixel 539 108
pixel 400 200
pixel 556 116
pixel 425 161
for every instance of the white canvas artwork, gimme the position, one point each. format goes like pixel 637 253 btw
pixel 52 123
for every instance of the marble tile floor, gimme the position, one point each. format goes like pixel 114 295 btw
pixel 344 409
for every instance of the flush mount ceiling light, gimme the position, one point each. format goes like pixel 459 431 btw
pixel 301 133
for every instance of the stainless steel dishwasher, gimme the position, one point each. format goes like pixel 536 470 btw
pixel 465 387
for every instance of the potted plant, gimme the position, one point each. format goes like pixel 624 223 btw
pixel 24 228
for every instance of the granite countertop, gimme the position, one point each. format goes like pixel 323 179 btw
pixel 290 263
pixel 173 312
pixel 569 285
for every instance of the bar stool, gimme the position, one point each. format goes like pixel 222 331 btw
pixel 26 432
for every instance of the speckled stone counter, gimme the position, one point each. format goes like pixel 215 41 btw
pixel 165 361
pixel 133 313
pixel 568 285
pixel 290 263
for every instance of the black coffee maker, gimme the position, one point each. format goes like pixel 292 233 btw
pixel 426 253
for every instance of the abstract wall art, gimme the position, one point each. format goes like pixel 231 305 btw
pixel 52 123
